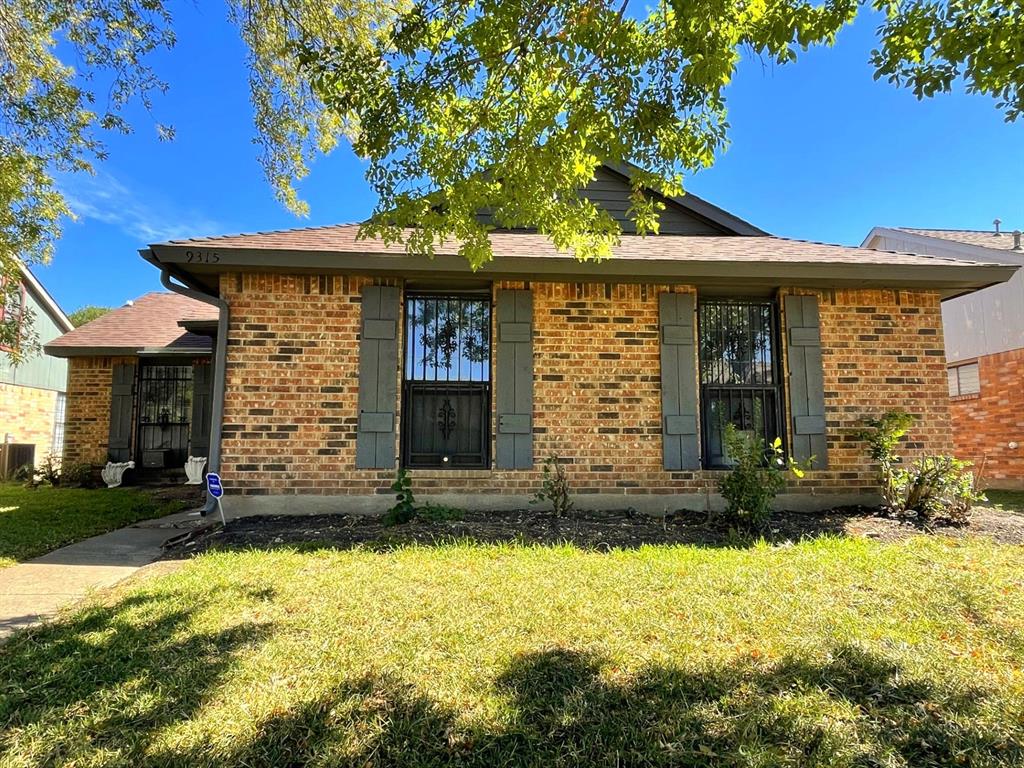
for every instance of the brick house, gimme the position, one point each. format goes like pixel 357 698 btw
pixel 984 343
pixel 139 383
pixel 338 359
pixel 32 392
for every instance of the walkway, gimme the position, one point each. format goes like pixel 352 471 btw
pixel 38 589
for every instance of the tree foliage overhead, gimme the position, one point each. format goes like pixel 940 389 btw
pixel 458 106
pixel 87 314
pixel 508 105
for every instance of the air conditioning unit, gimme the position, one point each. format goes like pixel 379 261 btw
pixel 13 456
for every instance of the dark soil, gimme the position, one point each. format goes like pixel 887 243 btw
pixel 590 530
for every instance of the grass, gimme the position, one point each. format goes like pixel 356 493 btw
pixel 837 652
pixel 1011 501
pixel 34 521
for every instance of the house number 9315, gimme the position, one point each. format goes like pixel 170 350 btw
pixel 202 257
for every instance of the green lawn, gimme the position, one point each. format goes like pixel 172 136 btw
pixel 837 652
pixel 1011 501
pixel 36 521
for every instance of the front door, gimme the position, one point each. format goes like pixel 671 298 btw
pixel 446 388
pixel 165 410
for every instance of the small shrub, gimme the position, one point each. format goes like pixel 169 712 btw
pixel 933 488
pixel 24 474
pixel 937 488
pixel 77 474
pixel 757 476
pixel 404 509
pixel 883 436
pixel 49 471
pixel 438 513
pixel 554 488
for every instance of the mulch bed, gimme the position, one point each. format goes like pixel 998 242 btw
pixel 589 530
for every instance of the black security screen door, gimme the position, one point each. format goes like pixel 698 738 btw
pixel 446 392
pixel 165 410
pixel 739 373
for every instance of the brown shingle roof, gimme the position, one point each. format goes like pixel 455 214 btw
pixel 341 238
pixel 150 322
pixel 981 238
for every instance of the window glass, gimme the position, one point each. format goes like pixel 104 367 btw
pixel 739 373
pixel 964 380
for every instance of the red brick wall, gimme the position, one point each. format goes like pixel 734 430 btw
pixel 291 402
pixel 984 424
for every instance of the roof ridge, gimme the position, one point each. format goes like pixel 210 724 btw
pixel 284 230
pixel 877 250
pixel 955 229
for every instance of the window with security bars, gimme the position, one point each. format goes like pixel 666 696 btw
pixel 164 414
pixel 740 375
pixel 963 380
pixel 446 387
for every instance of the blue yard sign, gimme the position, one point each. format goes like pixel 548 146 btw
pixel 213 485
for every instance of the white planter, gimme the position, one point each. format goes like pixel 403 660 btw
pixel 113 473
pixel 194 470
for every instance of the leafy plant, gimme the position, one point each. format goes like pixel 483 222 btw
pixel 77 474
pixel 933 488
pixel 757 476
pixel 883 436
pixel 404 509
pixel 937 488
pixel 554 487
pixel 438 513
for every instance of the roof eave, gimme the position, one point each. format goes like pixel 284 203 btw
pixel 57 350
pixel 940 275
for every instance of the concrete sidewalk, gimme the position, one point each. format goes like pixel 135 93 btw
pixel 38 589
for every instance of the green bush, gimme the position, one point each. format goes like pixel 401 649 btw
pixel 438 513
pixel 933 488
pixel 883 436
pixel 404 509
pixel 554 488
pixel 937 488
pixel 757 476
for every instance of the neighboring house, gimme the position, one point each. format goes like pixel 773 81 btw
pixel 139 383
pixel 32 393
pixel 345 358
pixel 984 342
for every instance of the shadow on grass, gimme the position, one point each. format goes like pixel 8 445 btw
pixel 89 698
pixel 565 713
pixel 105 681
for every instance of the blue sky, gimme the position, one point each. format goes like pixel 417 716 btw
pixel 819 151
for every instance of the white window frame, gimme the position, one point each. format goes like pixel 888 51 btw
pixel 961 385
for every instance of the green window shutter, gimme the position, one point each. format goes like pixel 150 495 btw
pixel 202 393
pixel 679 435
pixel 513 380
pixel 806 380
pixel 122 390
pixel 378 373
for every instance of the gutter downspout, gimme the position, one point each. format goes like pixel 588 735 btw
pixel 219 364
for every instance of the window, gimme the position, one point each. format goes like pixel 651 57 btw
pixel 963 380
pixel 59 410
pixel 446 387
pixel 740 379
